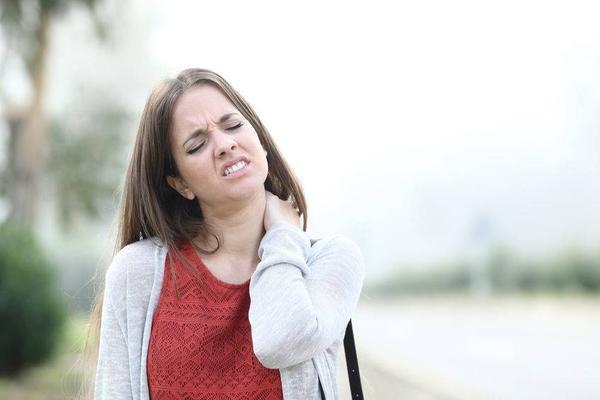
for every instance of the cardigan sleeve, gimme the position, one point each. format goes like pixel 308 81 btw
pixel 113 380
pixel 301 302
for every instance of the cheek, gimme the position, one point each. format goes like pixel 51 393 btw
pixel 252 139
pixel 264 165
pixel 259 152
pixel 197 171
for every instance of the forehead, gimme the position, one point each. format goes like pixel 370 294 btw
pixel 199 106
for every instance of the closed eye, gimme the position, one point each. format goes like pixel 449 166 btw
pixel 194 149
pixel 234 127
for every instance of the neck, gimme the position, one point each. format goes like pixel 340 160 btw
pixel 241 226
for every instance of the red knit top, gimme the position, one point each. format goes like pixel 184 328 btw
pixel 200 344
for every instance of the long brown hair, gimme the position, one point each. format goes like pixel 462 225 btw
pixel 150 208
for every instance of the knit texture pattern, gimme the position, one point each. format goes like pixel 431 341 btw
pixel 201 344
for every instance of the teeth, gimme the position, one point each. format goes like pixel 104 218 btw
pixel 235 167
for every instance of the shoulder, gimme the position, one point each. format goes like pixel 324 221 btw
pixel 133 267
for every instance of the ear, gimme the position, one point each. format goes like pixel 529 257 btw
pixel 180 186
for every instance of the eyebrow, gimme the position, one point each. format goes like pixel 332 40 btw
pixel 199 131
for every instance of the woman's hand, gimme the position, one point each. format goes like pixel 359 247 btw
pixel 278 210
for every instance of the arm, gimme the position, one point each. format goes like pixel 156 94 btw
pixel 112 372
pixel 300 305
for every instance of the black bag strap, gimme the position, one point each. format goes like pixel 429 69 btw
pixel 351 360
pixel 352 364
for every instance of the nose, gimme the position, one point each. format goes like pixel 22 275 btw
pixel 224 143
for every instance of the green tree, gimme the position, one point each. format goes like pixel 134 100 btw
pixel 26 31
pixel 31 311
pixel 87 158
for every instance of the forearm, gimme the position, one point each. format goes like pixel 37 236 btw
pixel 300 304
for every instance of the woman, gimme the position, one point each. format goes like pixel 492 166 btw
pixel 215 291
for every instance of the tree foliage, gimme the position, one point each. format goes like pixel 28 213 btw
pixel 569 271
pixel 22 20
pixel 31 311
pixel 77 162
pixel 87 160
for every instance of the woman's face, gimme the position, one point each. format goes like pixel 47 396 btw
pixel 207 134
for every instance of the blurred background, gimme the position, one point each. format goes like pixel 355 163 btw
pixel 457 143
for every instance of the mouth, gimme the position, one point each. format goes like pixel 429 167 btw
pixel 237 169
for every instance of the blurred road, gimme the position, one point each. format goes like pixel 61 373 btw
pixel 528 348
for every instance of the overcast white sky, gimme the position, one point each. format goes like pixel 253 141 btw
pixel 407 122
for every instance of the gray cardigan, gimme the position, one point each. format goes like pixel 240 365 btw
pixel 301 299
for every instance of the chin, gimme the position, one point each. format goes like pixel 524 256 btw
pixel 246 191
